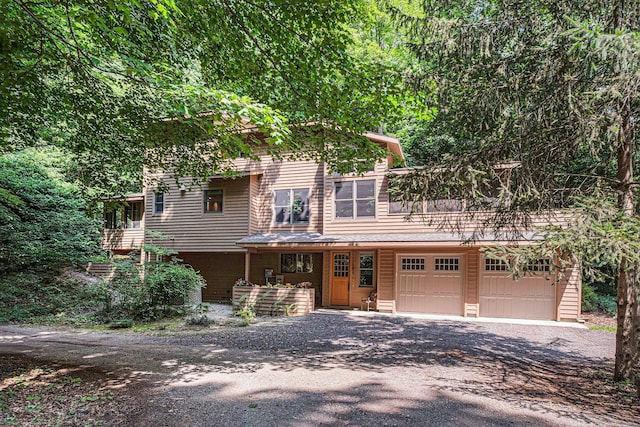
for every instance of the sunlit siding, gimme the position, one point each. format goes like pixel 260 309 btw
pixel 287 175
pixel 569 296
pixel 471 292
pixel 123 239
pixel 386 280
pixel 189 228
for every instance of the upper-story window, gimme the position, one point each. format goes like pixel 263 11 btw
pixel 407 207
pixel 291 206
pixel 213 201
pixel 355 199
pixel 158 203
pixel 133 215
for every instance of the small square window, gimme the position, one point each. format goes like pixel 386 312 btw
pixel 213 201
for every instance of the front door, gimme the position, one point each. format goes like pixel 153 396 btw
pixel 340 279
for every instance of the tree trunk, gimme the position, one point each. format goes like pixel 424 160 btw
pixel 628 333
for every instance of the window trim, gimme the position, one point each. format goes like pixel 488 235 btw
pixel 291 193
pixel 354 200
pixel 204 201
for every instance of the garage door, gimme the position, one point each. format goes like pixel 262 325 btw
pixel 429 284
pixel 531 297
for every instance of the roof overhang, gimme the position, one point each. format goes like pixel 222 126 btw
pixel 305 239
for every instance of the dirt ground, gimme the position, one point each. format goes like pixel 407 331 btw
pixel 329 368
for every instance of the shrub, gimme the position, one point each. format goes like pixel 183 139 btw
pixel 170 282
pixel 589 299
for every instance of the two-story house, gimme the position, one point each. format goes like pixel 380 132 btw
pixel 294 221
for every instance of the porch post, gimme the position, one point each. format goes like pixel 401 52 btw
pixel 247 264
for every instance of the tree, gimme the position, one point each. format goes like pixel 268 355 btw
pixel 95 77
pixel 553 86
pixel 43 222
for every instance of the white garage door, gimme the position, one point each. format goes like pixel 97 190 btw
pixel 531 297
pixel 429 284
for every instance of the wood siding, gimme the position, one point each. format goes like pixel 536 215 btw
pixel 386 280
pixel 190 228
pixel 389 223
pixel 219 270
pixel 279 175
pixel 471 308
pixel 569 296
pixel 274 300
pixel 123 239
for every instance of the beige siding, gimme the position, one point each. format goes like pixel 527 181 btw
pixel 386 280
pixel 192 230
pixel 287 176
pixel 471 291
pixel 123 239
pixel 219 270
pixel 385 222
pixel 569 296
pixel 275 301
pixel 254 203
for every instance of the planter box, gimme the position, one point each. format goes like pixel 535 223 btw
pixel 274 300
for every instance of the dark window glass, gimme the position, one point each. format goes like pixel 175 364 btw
pixel 213 201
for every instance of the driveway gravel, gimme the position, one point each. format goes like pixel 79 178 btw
pixel 346 368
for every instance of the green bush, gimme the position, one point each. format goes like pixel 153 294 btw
pixel 170 282
pixel 589 299
pixel 34 296
pixel 145 295
pixel 608 304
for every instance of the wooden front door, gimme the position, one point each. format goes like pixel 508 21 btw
pixel 340 279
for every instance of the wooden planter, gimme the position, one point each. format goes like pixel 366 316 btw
pixel 275 301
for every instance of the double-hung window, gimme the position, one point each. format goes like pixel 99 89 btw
pixel 291 206
pixel 355 199
pixel 158 203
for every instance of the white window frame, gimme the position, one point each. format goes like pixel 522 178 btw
pixel 354 199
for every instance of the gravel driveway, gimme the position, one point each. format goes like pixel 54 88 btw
pixel 343 368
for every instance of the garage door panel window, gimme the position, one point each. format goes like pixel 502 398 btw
pixel 413 264
pixel 540 265
pixel 495 265
pixel 447 264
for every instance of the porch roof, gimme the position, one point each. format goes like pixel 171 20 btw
pixel 376 239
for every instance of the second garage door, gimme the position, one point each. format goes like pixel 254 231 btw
pixel 430 284
pixel 531 297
